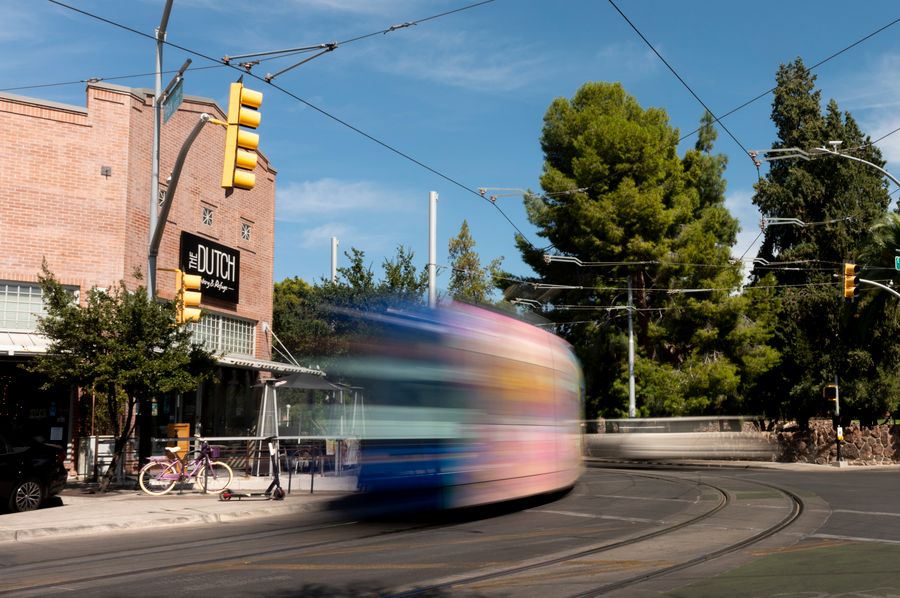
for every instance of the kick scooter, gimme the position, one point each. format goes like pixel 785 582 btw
pixel 273 492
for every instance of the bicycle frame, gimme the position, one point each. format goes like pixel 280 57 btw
pixel 188 469
pixel 176 470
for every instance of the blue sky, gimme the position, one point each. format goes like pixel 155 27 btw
pixel 462 94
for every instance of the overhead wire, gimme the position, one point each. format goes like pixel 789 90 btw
pixel 683 82
pixel 807 71
pixel 321 111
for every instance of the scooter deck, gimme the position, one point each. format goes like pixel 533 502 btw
pixel 227 494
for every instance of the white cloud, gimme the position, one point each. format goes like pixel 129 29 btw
pixel 872 94
pixel 318 238
pixel 303 201
pixel 461 59
pixel 373 7
pixel 628 59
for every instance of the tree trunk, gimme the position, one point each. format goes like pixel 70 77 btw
pixel 121 442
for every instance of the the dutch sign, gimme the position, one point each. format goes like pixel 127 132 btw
pixel 218 265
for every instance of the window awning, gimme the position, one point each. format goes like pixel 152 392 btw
pixel 22 343
pixel 276 367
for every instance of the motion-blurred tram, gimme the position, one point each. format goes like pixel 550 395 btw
pixel 466 406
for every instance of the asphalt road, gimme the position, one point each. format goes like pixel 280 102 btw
pixel 598 539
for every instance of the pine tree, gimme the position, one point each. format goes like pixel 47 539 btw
pixel 616 194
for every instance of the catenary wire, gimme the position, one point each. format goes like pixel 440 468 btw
pixel 808 70
pixel 683 82
pixel 312 106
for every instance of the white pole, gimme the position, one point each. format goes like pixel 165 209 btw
pixel 334 249
pixel 631 402
pixel 432 248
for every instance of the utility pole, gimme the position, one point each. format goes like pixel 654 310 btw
pixel 632 410
pixel 432 248
pixel 839 431
pixel 334 248
pixel 154 168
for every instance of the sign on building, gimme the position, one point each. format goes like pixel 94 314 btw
pixel 218 265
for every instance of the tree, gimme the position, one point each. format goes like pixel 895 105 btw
pixel 312 321
pixel 469 281
pixel 401 282
pixel 616 194
pixel 121 346
pixel 818 333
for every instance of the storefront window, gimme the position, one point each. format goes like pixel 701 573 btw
pixel 20 306
pixel 221 334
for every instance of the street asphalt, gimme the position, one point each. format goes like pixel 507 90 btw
pixel 80 510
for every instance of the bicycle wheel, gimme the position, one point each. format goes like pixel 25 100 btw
pixel 158 477
pixel 214 478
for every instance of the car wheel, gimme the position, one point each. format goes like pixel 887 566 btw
pixel 26 496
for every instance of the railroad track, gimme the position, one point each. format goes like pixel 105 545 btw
pixel 555 568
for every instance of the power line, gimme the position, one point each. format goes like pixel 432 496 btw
pixel 683 82
pixel 317 108
pixel 807 71
pixel 113 78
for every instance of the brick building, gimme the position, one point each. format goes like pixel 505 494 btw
pixel 75 191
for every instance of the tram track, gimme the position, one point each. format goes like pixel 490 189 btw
pixel 715 504
pixel 461 583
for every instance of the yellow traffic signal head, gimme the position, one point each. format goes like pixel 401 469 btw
pixel 851 280
pixel 187 297
pixel 240 145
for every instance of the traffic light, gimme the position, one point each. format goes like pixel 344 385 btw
pixel 240 145
pixel 851 280
pixel 187 297
pixel 830 392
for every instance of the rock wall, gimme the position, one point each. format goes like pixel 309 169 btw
pixel 879 445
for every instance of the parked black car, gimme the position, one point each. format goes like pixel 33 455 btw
pixel 31 471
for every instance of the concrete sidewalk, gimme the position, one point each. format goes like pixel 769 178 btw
pixel 81 511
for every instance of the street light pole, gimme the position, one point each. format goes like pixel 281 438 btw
pixel 154 167
pixel 785 153
pixel 821 151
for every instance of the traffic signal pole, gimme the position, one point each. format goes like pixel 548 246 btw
pixel 156 238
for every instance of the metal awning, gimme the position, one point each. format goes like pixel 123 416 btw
pixel 306 381
pixel 276 367
pixel 22 343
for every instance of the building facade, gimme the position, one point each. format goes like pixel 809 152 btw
pixel 75 185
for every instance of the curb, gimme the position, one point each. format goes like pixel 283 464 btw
pixel 170 516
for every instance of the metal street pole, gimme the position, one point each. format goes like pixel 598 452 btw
pixel 839 432
pixel 771 155
pixel 334 249
pixel 632 408
pixel 432 248
pixel 154 167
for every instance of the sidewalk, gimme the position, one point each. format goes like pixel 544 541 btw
pixel 80 511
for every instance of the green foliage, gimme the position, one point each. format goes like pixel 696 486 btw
pixel 311 319
pixel 469 281
pixel 819 334
pixel 120 345
pixel 616 192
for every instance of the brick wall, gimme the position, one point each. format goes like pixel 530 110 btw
pixel 93 229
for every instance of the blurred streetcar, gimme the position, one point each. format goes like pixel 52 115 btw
pixel 465 406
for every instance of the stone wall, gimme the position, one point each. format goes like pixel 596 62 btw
pixel 879 445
